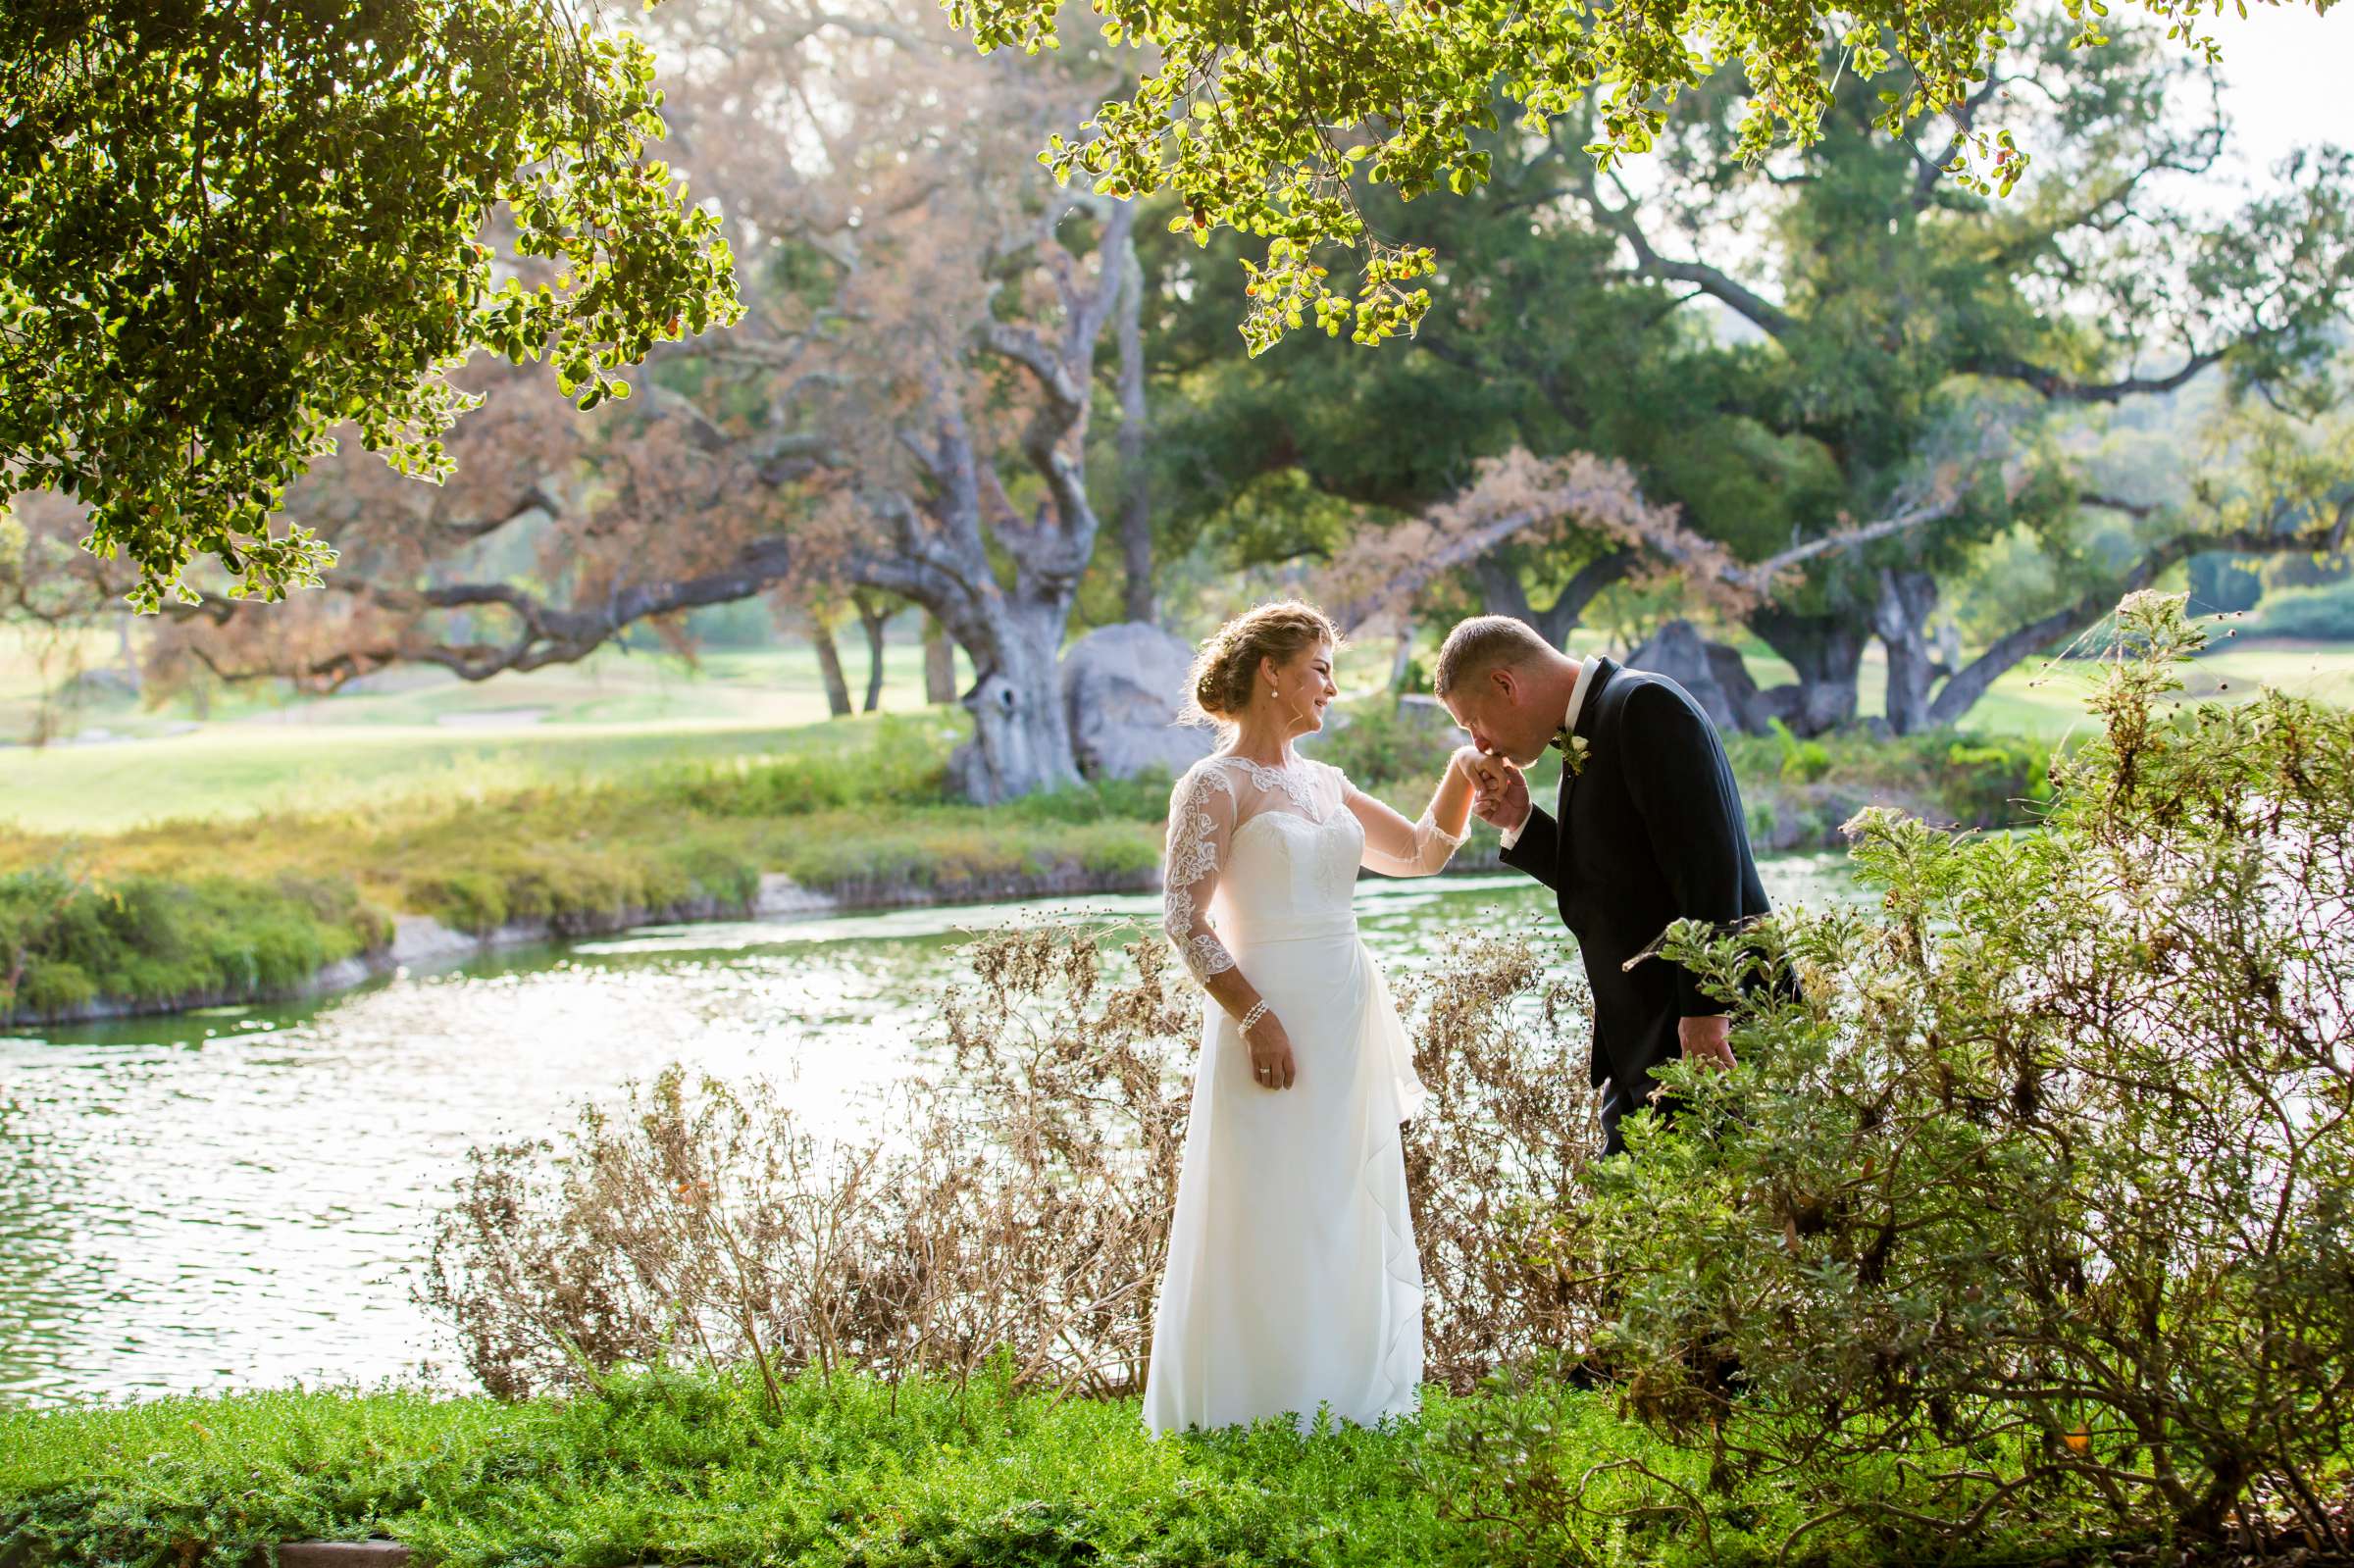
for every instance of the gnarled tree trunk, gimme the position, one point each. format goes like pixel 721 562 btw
pixel 1901 621
pixel 1828 652
pixel 1136 495
pixel 1021 740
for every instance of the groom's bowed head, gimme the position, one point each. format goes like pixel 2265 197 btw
pixel 1507 688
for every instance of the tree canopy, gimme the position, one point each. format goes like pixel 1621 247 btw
pixel 1839 362
pixel 224 230
pixel 1261 116
pixel 904 409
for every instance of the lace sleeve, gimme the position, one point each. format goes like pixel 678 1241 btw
pixel 1395 846
pixel 1202 813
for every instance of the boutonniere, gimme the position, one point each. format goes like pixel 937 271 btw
pixel 1573 749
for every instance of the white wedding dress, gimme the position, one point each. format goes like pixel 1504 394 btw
pixel 1292 1277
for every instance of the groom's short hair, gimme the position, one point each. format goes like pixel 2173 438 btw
pixel 1483 643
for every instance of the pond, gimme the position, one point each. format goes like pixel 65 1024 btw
pixel 241 1197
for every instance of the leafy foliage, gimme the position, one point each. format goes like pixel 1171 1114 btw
pixel 685 1466
pixel 66 942
pixel 225 229
pixel 1898 376
pixel 2045 1187
pixel 1246 110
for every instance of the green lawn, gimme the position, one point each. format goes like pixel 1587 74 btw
pixel 2045 698
pixel 426 734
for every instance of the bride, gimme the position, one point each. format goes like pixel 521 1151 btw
pixel 1292 1277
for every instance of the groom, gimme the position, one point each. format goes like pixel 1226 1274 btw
pixel 1648 829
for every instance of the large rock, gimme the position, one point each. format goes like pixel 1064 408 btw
pixel 781 896
pixel 1122 688
pixel 1712 671
pixel 423 940
pixel 374 1552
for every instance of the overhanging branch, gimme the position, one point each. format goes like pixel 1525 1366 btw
pixel 2064 390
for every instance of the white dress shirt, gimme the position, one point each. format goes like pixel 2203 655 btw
pixel 1577 698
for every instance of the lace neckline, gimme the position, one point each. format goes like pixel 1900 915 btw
pixel 1296 779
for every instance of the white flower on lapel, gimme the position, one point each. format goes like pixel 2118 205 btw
pixel 1573 749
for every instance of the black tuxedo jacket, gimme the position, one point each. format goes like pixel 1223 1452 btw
pixel 1651 829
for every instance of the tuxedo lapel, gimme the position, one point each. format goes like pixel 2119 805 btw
pixel 1604 669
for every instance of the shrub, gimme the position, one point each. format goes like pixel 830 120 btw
pixel 712 1224
pixel 2323 613
pixel 1805 761
pixel 1498 1162
pixel 1125 855
pixel 2046 1189
pixel 1381 743
pixel 1143 798
pixel 66 942
pixel 1020 1203
pixel 1993 783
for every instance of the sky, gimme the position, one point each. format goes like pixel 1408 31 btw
pixel 2288 79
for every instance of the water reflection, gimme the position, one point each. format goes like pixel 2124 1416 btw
pixel 240 1197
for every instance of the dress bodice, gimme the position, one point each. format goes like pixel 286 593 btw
pixel 1261 853
pixel 1289 874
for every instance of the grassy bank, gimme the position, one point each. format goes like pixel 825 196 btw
pixel 403 732
pixel 417 733
pixel 201 909
pixel 66 942
pixel 852 1473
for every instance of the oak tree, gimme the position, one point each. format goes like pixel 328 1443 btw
pixel 1267 118
pixel 227 228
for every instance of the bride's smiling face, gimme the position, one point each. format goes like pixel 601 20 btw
pixel 1297 691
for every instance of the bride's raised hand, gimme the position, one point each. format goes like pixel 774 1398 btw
pixel 1271 1052
pixel 1486 773
pixel 1498 790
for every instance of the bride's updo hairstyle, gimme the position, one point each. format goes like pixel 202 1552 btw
pixel 1226 668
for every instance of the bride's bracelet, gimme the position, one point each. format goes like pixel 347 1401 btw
pixel 1253 1016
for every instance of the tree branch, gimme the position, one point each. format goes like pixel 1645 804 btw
pixel 1758 576
pixel 1621 220
pixel 2061 388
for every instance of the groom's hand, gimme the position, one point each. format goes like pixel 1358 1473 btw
pixel 1498 790
pixel 1707 1041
